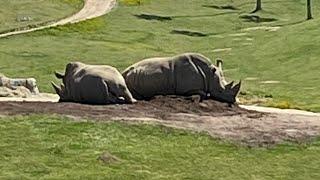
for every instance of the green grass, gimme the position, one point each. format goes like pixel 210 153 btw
pixel 39 11
pixel 289 55
pixel 50 147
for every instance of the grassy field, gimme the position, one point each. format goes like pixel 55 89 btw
pixel 50 147
pixel 16 13
pixel 288 55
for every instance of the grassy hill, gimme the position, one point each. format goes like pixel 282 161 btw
pixel 286 56
pixel 16 13
pixel 49 147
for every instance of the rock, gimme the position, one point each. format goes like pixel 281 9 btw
pixel 108 158
pixel 20 91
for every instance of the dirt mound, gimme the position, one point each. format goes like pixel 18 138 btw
pixel 160 107
pixel 220 120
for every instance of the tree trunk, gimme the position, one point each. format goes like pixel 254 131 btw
pixel 258 6
pixel 309 13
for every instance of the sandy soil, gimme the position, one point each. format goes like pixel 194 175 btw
pixel 235 123
pixel 91 9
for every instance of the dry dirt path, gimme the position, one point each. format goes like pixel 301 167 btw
pixel 91 9
pixel 267 127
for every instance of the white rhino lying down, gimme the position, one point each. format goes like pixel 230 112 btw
pixel 29 84
pixel 185 74
pixel 92 84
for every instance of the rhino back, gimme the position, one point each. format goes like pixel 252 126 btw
pixel 191 74
pixel 150 77
pixel 90 83
pixel 181 75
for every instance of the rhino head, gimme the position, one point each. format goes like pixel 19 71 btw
pixel 62 90
pixel 221 90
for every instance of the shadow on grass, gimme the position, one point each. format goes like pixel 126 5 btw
pixel 153 17
pixel 189 33
pixel 225 7
pixel 204 15
pixel 150 17
pixel 257 19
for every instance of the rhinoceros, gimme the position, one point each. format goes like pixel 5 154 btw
pixel 185 74
pixel 92 84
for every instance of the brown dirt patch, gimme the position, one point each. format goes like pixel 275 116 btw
pixel 220 120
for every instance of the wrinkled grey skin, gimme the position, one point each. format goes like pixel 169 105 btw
pixel 92 84
pixel 186 74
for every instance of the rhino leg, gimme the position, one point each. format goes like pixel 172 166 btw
pixel 203 95
pixel 111 97
pixel 128 97
pixel 122 94
pixel 136 95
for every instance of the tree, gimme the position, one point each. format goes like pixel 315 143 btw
pixel 309 13
pixel 258 6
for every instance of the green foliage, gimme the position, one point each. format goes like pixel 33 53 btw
pixel 50 147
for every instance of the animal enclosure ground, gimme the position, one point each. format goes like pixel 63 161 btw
pixel 287 54
pixel 53 147
pixel 234 124
pixel 84 142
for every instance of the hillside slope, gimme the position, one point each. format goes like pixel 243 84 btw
pixel 278 65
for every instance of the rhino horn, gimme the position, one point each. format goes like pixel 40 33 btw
pixel 59 75
pixel 229 86
pixel 236 88
pixel 56 88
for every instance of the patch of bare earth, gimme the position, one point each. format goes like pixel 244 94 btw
pixel 234 123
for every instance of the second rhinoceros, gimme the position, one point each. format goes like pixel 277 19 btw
pixel 185 74
pixel 92 84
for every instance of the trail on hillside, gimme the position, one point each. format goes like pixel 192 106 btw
pixel 220 120
pixel 91 9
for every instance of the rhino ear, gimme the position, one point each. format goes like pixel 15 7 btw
pixel 59 75
pixel 57 89
pixel 236 88
pixel 213 70
pixel 219 63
